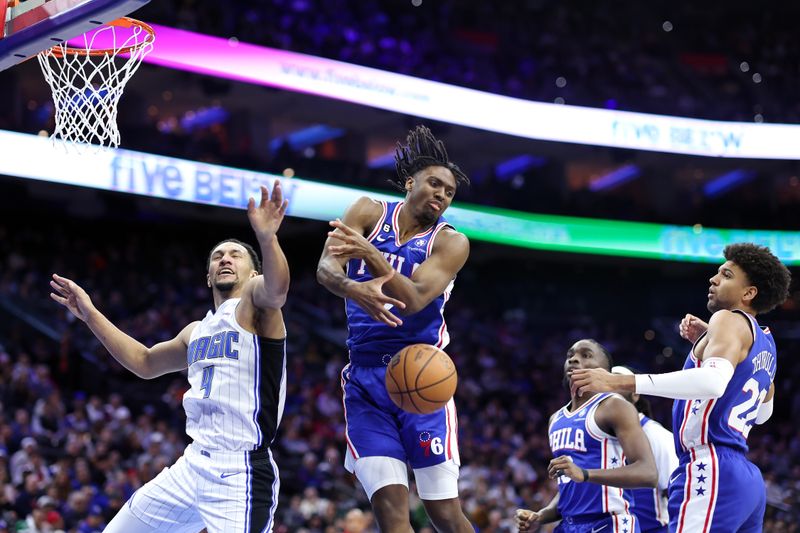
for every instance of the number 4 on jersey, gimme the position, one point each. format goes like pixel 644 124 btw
pixel 205 383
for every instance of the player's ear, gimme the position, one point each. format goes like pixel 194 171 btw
pixel 750 294
pixel 253 274
pixel 208 280
pixel 409 184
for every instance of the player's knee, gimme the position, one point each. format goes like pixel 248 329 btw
pixel 390 505
pixel 447 516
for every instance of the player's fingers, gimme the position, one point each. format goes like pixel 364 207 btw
pixel 61 290
pixel 61 280
pixel 344 227
pixel 277 193
pixel 251 204
pixel 60 299
pixel 381 317
pixel 389 316
pixel 284 207
pixel 392 318
pixel 264 196
pixel 339 235
pixel 392 301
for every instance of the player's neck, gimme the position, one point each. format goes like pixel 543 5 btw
pixel 409 225
pixel 578 402
pixel 222 297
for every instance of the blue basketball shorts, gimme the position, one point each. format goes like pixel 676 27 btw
pixel 716 490
pixel 600 523
pixel 376 427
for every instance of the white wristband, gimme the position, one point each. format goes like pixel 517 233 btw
pixel 708 381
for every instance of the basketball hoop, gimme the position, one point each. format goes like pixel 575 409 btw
pixel 88 79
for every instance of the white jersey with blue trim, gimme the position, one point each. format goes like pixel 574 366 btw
pixel 577 434
pixel 238 384
pixel 650 505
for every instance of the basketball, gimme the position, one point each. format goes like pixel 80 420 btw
pixel 421 379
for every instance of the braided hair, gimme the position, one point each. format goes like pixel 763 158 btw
pixel 423 150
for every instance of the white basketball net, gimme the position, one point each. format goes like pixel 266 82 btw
pixel 87 88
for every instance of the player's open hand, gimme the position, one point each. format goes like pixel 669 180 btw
pixel 72 296
pixel 353 244
pixel 563 466
pixel 526 519
pixel 691 328
pixel 370 297
pixel 583 380
pixel 266 217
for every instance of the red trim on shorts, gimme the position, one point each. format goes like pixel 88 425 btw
pixel 713 455
pixel 687 493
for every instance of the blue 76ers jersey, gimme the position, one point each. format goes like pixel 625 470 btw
pixel 578 435
pixel 369 337
pixel 727 420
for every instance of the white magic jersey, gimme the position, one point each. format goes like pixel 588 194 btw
pixel 238 384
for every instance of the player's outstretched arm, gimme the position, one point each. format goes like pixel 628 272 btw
pixel 270 289
pixel 618 417
pixel 729 340
pixel 369 295
pixel 145 362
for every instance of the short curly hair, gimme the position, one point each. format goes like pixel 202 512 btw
pixel 764 270
pixel 423 150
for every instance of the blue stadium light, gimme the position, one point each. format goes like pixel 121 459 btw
pixel 306 137
pixel 517 165
pixel 202 118
pixel 382 161
pixel 726 182
pixel 615 178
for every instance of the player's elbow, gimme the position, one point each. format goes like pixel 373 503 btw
pixel 144 369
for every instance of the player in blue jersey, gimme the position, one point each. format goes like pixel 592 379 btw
pixel 395 263
pixel 600 449
pixel 650 505
pixel 726 386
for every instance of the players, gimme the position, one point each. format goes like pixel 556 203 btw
pixel 226 479
pixel 599 449
pixel 395 263
pixel 726 386
pixel 650 505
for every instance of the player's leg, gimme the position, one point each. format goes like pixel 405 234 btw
pixel 431 444
pixel 165 503
pixel 375 452
pixel 743 496
pixel 237 491
pixel 125 522
pixel 438 488
pixel 715 490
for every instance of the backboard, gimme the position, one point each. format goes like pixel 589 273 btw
pixel 31 26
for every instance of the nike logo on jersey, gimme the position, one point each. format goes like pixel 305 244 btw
pixel 596 529
pixel 674 478
pixel 228 474
pixel 380 239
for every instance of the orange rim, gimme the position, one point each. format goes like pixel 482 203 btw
pixel 59 51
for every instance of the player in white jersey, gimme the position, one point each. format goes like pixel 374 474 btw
pixel 226 480
pixel 650 505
